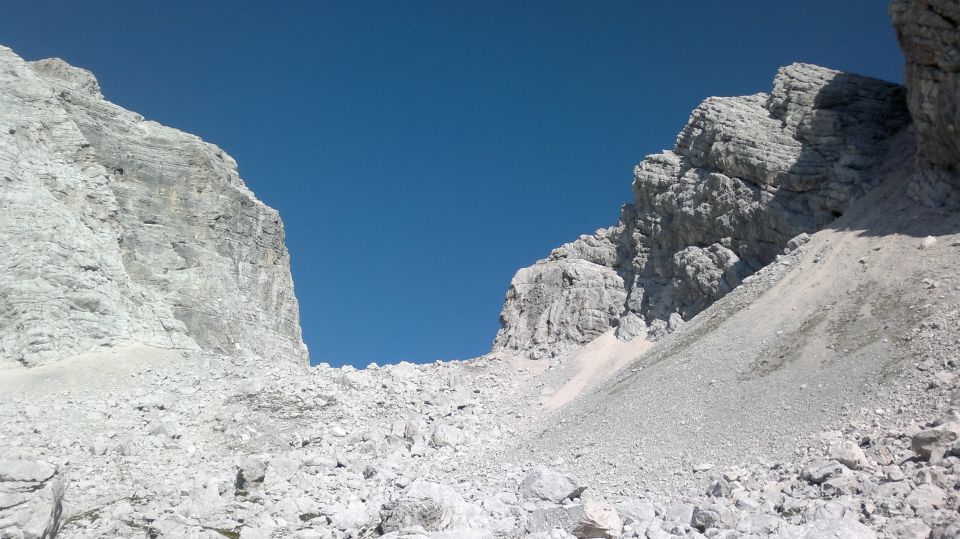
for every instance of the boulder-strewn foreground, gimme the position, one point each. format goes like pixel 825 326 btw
pixel 118 230
pixel 796 257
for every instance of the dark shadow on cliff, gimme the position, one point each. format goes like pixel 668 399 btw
pixel 880 205
pixel 888 210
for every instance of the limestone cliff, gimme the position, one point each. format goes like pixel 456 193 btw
pixel 114 229
pixel 930 38
pixel 747 174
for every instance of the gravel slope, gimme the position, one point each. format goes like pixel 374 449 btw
pixel 802 347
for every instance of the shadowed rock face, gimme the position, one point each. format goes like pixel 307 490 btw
pixel 115 229
pixel 930 38
pixel 747 174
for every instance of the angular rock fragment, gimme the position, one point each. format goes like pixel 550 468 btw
pixel 251 470
pixel 850 455
pixel 31 499
pixel 713 516
pixel 431 506
pixel 820 471
pixel 594 519
pixel 545 484
pixel 931 444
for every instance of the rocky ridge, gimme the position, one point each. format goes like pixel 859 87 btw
pixel 817 398
pixel 747 174
pixel 116 230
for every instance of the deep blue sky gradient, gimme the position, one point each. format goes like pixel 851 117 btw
pixel 420 152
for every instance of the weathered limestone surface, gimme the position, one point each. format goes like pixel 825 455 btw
pixel 747 174
pixel 930 38
pixel 115 229
pixel 31 499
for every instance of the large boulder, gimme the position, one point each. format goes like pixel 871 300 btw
pixel 932 443
pixel 591 519
pixel 542 483
pixel 594 519
pixel 31 496
pixel 840 528
pixel 431 506
pixel 850 455
pixel 713 516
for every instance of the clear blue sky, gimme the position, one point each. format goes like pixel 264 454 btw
pixel 421 152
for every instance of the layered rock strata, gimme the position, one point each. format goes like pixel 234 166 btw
pixel 31 499
pixel 115 229
pixel 746 175
pixel 930 38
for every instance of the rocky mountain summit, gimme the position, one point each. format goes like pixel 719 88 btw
pixel 118 230
pixel 747 175
pixel 765 345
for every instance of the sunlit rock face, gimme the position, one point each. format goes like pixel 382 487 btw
pixel 930 38
pixel 114 229
pixel 746 175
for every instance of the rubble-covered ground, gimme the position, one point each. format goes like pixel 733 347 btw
pixel 142 441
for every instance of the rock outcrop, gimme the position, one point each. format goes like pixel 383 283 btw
pixel 31 499
pixel 747 175
pixel 930 38
pixel 114 229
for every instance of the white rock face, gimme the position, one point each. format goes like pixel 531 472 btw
pixel 747 174
pixel 31 496
pixel 114 229
pixel 928 35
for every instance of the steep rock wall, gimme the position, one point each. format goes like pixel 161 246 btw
pixel 746 175
pixel 114 229
pixel 930 38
